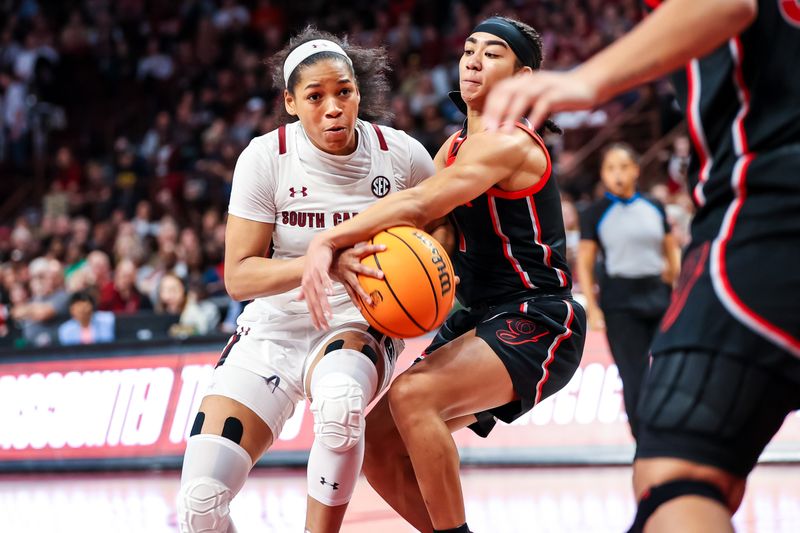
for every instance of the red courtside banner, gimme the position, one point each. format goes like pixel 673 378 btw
pixel 100 408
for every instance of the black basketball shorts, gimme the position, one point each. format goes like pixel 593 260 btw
pixel 539 340
pixel 713 408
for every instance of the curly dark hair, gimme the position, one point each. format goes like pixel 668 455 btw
pixel 370 66
pixel 536 40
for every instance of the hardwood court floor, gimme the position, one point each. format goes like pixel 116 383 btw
pixel 509 500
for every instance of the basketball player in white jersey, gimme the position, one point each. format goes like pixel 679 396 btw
pixel 289 185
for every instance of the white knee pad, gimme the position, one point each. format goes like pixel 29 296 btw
pixel 342 386
pixel 204 507
pixel 214 470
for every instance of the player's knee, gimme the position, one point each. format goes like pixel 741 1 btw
pixel 407 397
pixel 204 506
pixel 338 408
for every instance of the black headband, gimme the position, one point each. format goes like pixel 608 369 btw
pixel 516 40
pixel 519 44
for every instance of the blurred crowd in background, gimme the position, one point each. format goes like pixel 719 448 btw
pixel 123 121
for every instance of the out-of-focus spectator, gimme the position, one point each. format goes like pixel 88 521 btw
pixel 86 326
pixel 143 220
pixel 231 16
pixel 573 231
pixel 39 316
pixel 124 297
pixel 15 118
pixel 197 317
pixel 99 266
pixel 156 64
pixel 678 164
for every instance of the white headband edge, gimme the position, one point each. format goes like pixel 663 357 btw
pixel 308 49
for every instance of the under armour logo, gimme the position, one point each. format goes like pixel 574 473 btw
pixel 303 191
pixel 335 485
pixel 276 379
pixel 381 186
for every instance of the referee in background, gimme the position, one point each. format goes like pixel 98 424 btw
pixel 641 260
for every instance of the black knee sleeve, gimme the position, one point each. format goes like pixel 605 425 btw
pixel 660 494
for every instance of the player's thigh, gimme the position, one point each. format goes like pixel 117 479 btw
pixel 459 379
pixel 229 418
pixel 249 398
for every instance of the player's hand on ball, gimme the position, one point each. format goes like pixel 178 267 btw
pixel 347 266
pixel 316 283
pixel 536 96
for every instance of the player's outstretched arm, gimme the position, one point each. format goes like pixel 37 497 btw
pixel 676 32
pixel 484 160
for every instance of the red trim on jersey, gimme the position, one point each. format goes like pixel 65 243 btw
pixel 381 139
pixel 551 352
pixel 282 139
pixel 722 282
pixel 462 242
pixel 743 92
pixel 227 350
pixel 507 246
pixel 537 239
pixel 681 294
pixel 536 187
pixel 652 4
pixel 696 131
pixel 455 144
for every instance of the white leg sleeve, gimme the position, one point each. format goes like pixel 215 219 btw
pixel 342 386
pixel 214 470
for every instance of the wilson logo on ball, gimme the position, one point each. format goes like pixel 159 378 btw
pixel 437 260
pixel 416 293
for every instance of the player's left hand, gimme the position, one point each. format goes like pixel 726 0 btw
pixel 347 266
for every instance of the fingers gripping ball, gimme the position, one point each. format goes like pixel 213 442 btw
pixel 418 288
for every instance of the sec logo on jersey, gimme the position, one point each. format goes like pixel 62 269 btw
pixel 381 186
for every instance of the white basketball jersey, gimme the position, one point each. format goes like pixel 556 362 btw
pixel 282 178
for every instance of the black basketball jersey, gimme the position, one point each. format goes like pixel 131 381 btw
pixel 742 101
pixel 510 242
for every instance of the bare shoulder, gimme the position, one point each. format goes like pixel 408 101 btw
pixel 515 147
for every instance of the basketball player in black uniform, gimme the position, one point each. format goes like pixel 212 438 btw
pixel 726 369
pixel 520 338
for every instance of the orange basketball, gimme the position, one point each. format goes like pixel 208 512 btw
pixel 418 288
